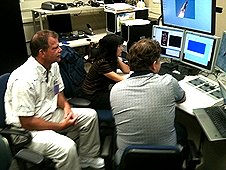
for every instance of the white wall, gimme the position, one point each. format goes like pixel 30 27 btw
pixel 154 12
pixel 95 19
pixel 220 18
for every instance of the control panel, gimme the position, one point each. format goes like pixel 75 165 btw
pixel 207 86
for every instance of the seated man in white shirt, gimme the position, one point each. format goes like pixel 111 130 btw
pixel 34 100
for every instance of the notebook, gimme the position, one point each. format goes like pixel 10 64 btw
pixel 204 120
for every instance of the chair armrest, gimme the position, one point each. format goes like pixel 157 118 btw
pixel 6 132
pixel 194 157
pixel 30 156
pixel 79 102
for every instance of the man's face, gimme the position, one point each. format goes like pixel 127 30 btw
pixel 54 51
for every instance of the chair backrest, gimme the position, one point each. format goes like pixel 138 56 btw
pixel 3 84
pixel 148 157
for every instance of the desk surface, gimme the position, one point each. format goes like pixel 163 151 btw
pixel 196 97
pixel 85 9
pixel 86 41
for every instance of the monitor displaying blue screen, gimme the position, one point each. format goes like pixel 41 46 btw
pixel 200 50
pixel 170 40
pixel 195 15
pixel 221 57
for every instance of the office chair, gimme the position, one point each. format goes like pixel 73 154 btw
pixel 151 157
pixel 6 157
pixel 5 154
pixel 26 158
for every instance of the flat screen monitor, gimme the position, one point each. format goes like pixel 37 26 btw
pixel 60 23
pixel 170 40
pixel 221 56
pixel 200 50
pixel 195 15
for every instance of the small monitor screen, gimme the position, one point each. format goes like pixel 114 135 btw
pixel 195 15
pixel 200 50
pixel 170 39
pixel 221 57
pixel 60 23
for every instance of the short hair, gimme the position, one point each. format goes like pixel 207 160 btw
pixel 40 41
pixel 143 54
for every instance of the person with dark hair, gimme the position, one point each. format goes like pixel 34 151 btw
pixel 34 100
pixel 144 104
pixel 102 74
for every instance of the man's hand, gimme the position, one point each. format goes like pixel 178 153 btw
pixel 69 120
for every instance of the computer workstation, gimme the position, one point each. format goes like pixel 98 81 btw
pixel 190 47
pixel 189 54
pixel 201 86
pixel 212 121
pixel 61 23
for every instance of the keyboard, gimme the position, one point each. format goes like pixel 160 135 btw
pixel 218 116
pixel 71 37
pixel 165 70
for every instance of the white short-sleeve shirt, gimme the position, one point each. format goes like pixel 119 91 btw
pixel 29 93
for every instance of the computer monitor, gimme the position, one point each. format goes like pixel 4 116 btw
pixel 199 50
pixel 221 56
pixel 60 23
pixel 170 40
pixel 195 15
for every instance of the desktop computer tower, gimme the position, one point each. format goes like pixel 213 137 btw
pixel 133 33
pixel 112 18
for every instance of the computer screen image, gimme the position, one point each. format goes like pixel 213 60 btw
pixel 194 15
pixel 60 23
pixel 199 50
pixel 170 40
pixel 221 56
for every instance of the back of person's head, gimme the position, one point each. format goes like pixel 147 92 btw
pixel 40 41
pixel 143 54
pixel 108 46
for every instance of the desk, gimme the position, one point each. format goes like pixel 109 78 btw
pixel 213 153
pixel 84 42
pixel 41 13
pixel 196 97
